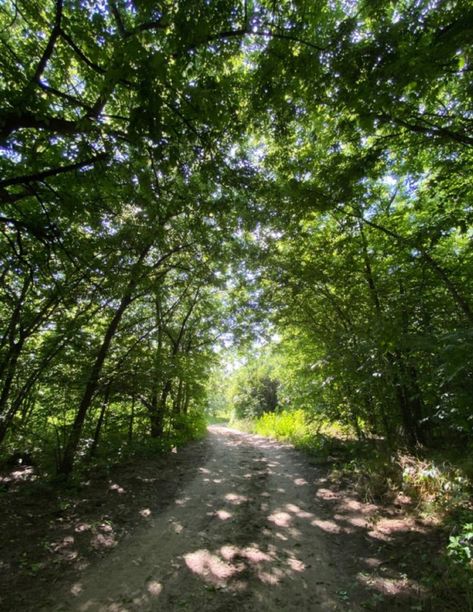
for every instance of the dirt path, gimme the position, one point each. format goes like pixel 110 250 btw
pixel 243 535
pixel 235 522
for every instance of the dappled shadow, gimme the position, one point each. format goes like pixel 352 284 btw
pixel 259 528
pixel 51 534
pixel 237 522
pixel 385 553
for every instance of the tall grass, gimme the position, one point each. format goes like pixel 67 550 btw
pixel 288 426
pixel 297 428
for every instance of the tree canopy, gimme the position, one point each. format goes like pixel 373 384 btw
pixel 179 176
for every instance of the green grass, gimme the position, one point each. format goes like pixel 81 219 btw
pixel 297 428
pixel 439 483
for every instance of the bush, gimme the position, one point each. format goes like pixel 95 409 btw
pixel 460 547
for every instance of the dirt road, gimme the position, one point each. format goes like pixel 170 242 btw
pixel 254 526
pixel 243 535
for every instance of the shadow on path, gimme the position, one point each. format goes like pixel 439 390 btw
pixel 258 528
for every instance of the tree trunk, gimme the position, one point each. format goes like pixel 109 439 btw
pixel 159 410
pixel 185 408
pixel 7 415
pixel 98 428
pixel 132 419
pixel 177 403
pixel 67 462
pixel 410 402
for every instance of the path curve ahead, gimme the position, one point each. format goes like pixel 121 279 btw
pixel 246 534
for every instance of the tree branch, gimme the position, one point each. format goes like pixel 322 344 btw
pixel 80 54
pixel 146 27
pixel 12 121
pixel 65 96
pixel 39 176
pixel 118 19
pixel 460 300
pixel 429 129
pixel 51 42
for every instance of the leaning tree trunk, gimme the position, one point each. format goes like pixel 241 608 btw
pixel 67 463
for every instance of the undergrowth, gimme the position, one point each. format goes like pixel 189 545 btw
pixel 433 485
pixel 113 448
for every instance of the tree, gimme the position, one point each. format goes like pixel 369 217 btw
pixel 175 174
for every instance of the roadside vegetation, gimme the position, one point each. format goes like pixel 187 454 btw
pixel 250 207
pixel 431 484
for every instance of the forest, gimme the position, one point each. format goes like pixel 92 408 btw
pixel 255 208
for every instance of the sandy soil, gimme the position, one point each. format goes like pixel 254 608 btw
pixel 248 524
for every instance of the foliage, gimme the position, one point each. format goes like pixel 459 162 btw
pixel 252 389
pixel 460 546
pixel 292 180
pixel 118 189
pixel 288 426
pixel 202 173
